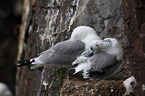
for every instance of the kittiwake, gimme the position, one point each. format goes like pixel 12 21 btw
pixel 105 61
pixel 65 52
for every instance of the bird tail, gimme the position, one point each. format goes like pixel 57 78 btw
pixel 25 62
pixel 34 66
pixel 30 63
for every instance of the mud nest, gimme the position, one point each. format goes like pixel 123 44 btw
pixel 78 87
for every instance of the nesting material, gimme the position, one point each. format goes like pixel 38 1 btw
pixel 76 87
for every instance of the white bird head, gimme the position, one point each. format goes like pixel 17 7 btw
pixel 84 33
pixel 113 41
pixel 108 45
pixel 130 84
pixel 98 45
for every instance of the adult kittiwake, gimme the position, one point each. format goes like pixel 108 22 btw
pixel 65 52
pixel 105 61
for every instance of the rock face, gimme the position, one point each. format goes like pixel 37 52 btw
pixel 51 21
pixel 134 19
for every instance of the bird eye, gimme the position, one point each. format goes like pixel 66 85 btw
pixel 107 40
pixel 91 48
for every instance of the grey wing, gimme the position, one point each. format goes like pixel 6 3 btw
pixel 101 62
pixel 63 53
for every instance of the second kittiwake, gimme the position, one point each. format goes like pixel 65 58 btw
pixel 105 60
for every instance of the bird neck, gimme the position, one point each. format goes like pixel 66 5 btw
pixel 87 40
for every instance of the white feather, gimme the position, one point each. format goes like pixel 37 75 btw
pixel 130 83
pixel 4 90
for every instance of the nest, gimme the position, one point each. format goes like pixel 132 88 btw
pixel 78 87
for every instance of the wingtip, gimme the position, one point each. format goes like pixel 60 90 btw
pixel 24 63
